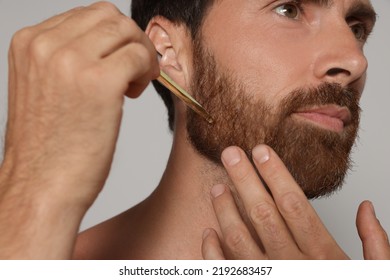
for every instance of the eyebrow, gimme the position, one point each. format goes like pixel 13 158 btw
pixel 322 3
pixel 363 11
pixel 358 9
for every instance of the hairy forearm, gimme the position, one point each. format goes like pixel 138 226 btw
pixel 36 221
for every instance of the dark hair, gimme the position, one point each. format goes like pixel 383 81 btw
pixel 187 12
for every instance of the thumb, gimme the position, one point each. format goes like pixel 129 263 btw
pixel 211 247
pixel 374 238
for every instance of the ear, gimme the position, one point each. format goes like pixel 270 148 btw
pixel 173 42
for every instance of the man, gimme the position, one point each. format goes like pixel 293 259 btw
pixel 68 77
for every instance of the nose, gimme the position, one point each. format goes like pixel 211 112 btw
pixel 340 58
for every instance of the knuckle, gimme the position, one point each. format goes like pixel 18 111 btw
pixel 106 7
pixel 117 26
pixel 63 64
pixel 291 205
pixel 263 216
pixel 40 46
pixel 262 213
pixel 21 38
pixel 236 239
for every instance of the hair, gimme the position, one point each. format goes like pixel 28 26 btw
pixel 189 13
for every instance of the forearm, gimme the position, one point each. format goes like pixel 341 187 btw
pixel 37 221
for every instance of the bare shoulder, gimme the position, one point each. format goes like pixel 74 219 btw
pixel 103 241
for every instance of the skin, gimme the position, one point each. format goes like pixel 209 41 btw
pixel 65 91
pixel 48 179
pixel 286 224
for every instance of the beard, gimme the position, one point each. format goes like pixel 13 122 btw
pixel 318 159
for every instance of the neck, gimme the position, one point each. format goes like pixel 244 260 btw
pixel 170 223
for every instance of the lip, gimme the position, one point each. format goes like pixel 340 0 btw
pixel 330 117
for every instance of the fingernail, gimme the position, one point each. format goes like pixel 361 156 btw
pixel 217 190
pixel 231 156
pixel 261 154
pixel 372 208
pixel 206 233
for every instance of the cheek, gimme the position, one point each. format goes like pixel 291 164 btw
pixel 269 66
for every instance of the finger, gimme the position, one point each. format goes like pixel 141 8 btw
pixel 306 227
pixel 22 39
pixel 259 206
pixel 57 19
pixel 81 19
pixel 110 35
pixel 374 238
pixel 55 33
pixel 211 247
pixel 62 26
pixel 135 65
pixel 236 238
pixel 31 31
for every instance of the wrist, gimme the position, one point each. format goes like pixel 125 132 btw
pixel 58 186
pixel 37 222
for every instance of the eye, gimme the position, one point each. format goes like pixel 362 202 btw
pixel 360 32
pixel 289 10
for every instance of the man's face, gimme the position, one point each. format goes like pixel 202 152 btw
pixel 285 74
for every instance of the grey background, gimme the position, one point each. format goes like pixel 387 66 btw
pixel 145 141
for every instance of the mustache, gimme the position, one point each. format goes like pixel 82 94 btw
pixel 324 94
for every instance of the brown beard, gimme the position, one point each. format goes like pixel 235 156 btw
pixel 317 158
